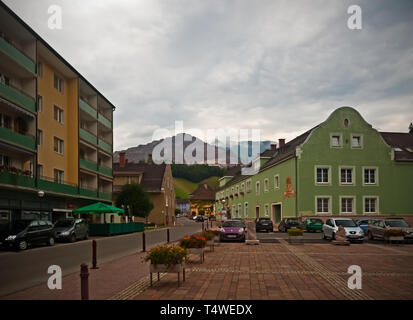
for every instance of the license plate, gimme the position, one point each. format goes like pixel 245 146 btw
pixel 353 236
pixel 231 236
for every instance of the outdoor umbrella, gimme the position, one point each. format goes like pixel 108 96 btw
pixel 98 208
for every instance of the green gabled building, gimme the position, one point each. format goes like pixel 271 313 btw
pixel 342 166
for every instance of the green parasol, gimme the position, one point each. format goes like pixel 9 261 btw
pixel 98 208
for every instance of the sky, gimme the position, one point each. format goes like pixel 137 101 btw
pixel 278 66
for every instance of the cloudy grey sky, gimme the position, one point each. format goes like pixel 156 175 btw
pixel 280 66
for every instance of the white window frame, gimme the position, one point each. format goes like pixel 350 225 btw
pixel 39 103
pixel 276 182
pixel 361 141
pixel 330 204
pixel 353 209
pixel 257 188
pixel 328 183
pixel 377 205
pixel 246 209
pixel 340 135
pixel 59 146
pixel 39 137
pixel 243 187
pixel 60 83
pixel 376 176
pixel 239 210
pixel 60 114
pixel 266 210
pixel 58 171
pixel 266 185
pixel 353 175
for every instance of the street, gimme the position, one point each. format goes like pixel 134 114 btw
pixel 21 270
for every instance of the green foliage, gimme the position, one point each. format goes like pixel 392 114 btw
pixel 195 173
pixel 134 200
pixel 166 255
pixel 209 235
pixel 295 232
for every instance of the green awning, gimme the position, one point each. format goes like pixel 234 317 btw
pixel 98 208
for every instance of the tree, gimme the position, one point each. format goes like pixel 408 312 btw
pixel 135 201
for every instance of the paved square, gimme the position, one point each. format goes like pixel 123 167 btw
pixel 285 271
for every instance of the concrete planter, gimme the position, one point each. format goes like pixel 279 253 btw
pixel 163 268
pixel 198 251
pixel 296 239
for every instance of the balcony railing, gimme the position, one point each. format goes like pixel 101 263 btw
pixel 105 195
pixel 87 136
pixel 16 179
pixel 105 146
pixel 102 119
pixel 17 55
pixel 16 96
pixel 16 138
pixel 105 170
pixel 92 193
pixel 89 165
pixel 87 108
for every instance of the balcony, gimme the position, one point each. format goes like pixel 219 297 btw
pixel 17 55
pixel 89 137
pixel 105 195
pixel 103 120
pixel 105 171
pixel 16 138
pixel 87 108
pixel 15 179
pixel 91 193
pixel 18 97
pixel 49 185
pixel 88 165
pixel 105 146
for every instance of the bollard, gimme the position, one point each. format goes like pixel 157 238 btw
pixel 84 282
pixel 94 258
pixel 167 236
pixel 143 241
pixel 203 226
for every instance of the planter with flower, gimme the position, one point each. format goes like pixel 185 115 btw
pixel 195 244
pixel 209 236
pixel 167 259
pixel 394 235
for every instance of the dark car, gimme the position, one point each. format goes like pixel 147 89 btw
pixel 23 233
pixel 232 230
pixel 71 230
pixel 289 223
pixel 364 224
pixel 264 224
pixel 313 225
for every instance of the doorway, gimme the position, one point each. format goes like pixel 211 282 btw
pixel 276 213
pixel 257 212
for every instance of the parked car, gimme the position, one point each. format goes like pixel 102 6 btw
pixel 199 219
pixel 242 221
pixel 364 224
pixel 376 230
pixel 313 225
pixel 289 223
pixel 71 230
pixel 232 230
pixel 353 231
pixel 24 233
pixel 264 224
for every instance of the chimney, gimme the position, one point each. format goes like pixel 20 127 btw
pixel 273 146
pixel 122 159
pixel 150 158
pixel 281 143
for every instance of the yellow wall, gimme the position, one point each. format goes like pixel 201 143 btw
pixel 68 131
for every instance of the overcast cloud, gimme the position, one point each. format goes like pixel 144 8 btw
pixel 280 66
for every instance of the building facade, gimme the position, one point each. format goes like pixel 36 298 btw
pixel 341 167
pixel 56 130
pixel 202 200
pixel 156 180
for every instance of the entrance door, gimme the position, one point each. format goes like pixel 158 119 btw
pixel 257 212
pixel 276 213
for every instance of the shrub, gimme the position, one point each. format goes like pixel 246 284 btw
pixel 393 233
pixel 169 256
pixel 209 235
pixel 194 241
pixel 295 232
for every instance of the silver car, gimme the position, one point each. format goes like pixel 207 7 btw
pixel 353 231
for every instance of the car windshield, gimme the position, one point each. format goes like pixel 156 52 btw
pixel 232 224
pixel 316 220
pixel 19 225
pixel 292 220
pixel 397 223
pixel 64 223
pixel 346 223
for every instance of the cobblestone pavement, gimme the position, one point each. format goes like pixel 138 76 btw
pixel 285 271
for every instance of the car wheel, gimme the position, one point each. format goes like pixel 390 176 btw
pixel 324 236
pixel 73 238
pixel 22 245
pixel 370 235
pixel 51 241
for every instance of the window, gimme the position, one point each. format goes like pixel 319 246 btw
pixel 40 70
pixel 4 160
pixel 58 83
pixel 237 190
pixel 322 175
pixel 39 137
pixel 242 187
pixel 335 140
pixel 232 190
pixel 266 210
pixel 266 185
pixel 370 176
pixel 370 204
pixel 39 171
pixel 233 210
pixel 277 182
pixel 356 141
pixel 246 209
pixel 39 103
pixel 249 186
pixel 5 121
pixel 58 176
pixel 58 114
pixel 323 205
pixel 239 210
pixel 257 188
pixel 347 205
pixel 346 176
pixel 58 145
